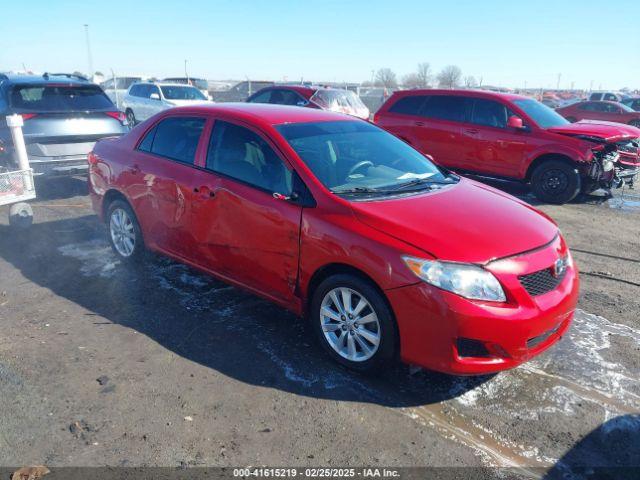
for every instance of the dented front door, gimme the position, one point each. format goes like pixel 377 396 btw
pixel 245 234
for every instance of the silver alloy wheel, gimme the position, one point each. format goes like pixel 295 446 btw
pixel 350 324
pixel 122 232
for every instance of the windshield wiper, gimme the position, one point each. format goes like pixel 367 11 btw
pixel 418 181
pixel 360 190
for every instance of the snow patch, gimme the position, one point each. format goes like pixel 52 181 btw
pixel 96 256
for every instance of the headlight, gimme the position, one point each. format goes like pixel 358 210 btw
pixel 466 280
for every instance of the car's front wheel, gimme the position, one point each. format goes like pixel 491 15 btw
pixel 353 322
pixel 555 181
pixel 125 235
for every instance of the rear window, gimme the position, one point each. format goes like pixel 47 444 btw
pixel 175 138
pixel 59 98
pixel 408 105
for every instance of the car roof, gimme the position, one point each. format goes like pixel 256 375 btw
pixel 460 92
pixel 44 79
pixel 265 113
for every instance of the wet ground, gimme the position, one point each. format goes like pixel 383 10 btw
pixel 103 364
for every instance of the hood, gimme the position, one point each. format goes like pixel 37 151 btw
pixel 597 130
pixel 466 222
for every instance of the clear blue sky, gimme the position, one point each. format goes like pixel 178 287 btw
pixel 504 42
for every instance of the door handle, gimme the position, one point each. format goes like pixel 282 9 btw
pixel 471 131
pixel 419 124
pixel 205 192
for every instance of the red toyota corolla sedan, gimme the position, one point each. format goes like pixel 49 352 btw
pixel 337 220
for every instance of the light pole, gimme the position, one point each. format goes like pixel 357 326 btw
pixel 89 58
pixel 185 71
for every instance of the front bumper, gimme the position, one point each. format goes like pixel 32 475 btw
pixel 434 323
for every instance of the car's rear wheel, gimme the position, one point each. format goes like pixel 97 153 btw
pixel 131 117
pixel 353 322
pixel 555 181
pixel 125 235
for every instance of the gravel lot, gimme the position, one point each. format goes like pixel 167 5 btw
pixel 102 364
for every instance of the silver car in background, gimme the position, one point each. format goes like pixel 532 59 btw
pixel 64 115
pixel 143 100
pixel 116 87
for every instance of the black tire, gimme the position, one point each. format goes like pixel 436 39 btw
pixel 572 119
pixel 386 325
pixel 138 250
pixel 131 117
pixel 20 216
pixel 555 181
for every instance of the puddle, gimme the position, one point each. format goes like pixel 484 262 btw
pixel 626 201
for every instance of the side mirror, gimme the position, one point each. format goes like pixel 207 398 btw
pixel 515 122
pixel 154 96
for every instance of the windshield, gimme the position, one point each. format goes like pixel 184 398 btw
pixel 59 98
pixel 626 108
pixel 199 83
pixel 178 92
pixel 344 101
pixel 347 156
pixel 544 116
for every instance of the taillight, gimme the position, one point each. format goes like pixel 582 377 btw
pixel 27 116
pixel 121 117
pixel 92 158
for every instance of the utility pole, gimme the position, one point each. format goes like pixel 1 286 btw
pixel 558 84
pixel 89 58
pixel 185 71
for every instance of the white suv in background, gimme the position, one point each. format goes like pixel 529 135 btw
pixel 145 99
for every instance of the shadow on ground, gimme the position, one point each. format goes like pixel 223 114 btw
pixel 612 451
pixel 57 188
pixel 204 320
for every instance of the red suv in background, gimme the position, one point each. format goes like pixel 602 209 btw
pixel 330 216
pixel 606 111
pixel 514 137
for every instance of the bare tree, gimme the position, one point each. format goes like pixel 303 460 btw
pixel 411 80
pixel 385 77
pixel 470 81
pixel 449 76
pixel 424 75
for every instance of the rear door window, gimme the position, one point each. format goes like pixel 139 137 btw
pixel 175 138
pixel 59 98
pixel 489 113
pixel 242 154
pixel 445 107
pixel 410 105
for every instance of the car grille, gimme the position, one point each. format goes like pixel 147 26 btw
pixel 540 282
